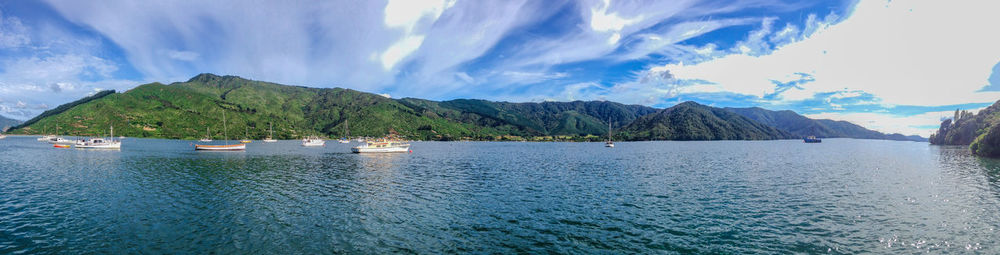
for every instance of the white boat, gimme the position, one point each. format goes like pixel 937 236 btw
pixel 313 141
pixel 60 140
pixel 384 145
pixel 344 140
pixel 46 138
pixel 609 143
pixel 2 136
pixel 270 138
pixel 227 146
pixel 208 136
pixel 100 143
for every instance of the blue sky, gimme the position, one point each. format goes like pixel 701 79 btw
pixel 898 66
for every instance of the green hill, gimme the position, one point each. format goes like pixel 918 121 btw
pixel 693 121
pixel 184 110
pixel 979 131
pixel 801 126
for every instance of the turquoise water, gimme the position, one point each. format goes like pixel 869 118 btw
pixel 160 196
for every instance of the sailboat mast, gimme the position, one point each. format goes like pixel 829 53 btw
pixel 225 135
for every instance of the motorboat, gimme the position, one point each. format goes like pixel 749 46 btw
pixel 383 145
pixel 812 139
pixel 313 141
pixel 100 143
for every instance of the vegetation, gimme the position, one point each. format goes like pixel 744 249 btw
pixel 184 110
pixel 980 131
pixel 693 121
pixel 801 126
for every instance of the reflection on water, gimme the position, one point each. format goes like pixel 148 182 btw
pixel 841 196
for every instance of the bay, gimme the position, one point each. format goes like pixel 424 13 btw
pixel 161 196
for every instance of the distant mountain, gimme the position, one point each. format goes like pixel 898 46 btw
pixel 693 121
pixel 190 109
pixel 548 118
pixel 980 131
pixel 6 123
pixel 801 126
pixel 184 110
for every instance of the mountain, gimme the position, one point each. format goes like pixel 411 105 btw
pixel 979 131
pixel 183 110
pixel 693 121
pixel 6 123
pixel 535 119
pixel 801 126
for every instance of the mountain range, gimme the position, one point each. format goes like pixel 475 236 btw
pixel 195 109
pixel 6 123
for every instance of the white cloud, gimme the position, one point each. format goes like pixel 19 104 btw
pixel 182 55
pixel 904 52
pixel 410 15
pixel 12 32
pixel 890 123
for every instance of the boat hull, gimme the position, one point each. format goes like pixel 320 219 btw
pixel 102 146
pixel 269 141
pixel 396 149
pixel 234 147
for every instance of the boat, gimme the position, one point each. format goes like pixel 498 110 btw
pixel 61 145
pixel 270 138
pixel 348 133
pixel 45 138
pixel 208 136
pixel 313 141
pixel 246 136
pixel 227 146
pixel 60 140
pixel 100 143
pixel 2 136
pixel 55 139
pixel 609 143
pixel 812 139
pixel 384 145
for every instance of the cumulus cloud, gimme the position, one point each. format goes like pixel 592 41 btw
pixel 895 51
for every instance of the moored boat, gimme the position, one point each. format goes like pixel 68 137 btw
pixel 270 137
pixel 100 143
pixel 312 141
pixel 609 143
pixel 383 145
pixel 225 147
pixel 61 145
pixel 208 136
pixel 812 139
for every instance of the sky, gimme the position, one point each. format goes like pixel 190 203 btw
pixel 892 66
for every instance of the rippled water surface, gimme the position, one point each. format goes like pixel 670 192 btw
pixel 159 196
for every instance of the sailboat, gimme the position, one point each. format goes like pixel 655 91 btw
pixel 270 138
pixel 246 136
pixel 225 135
pixel 59 140
pixel 348 130
pixel 45 138
pixel 609 143
pixel 101 143
pixel 208 136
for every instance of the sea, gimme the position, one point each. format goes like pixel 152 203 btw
pixel 841 196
